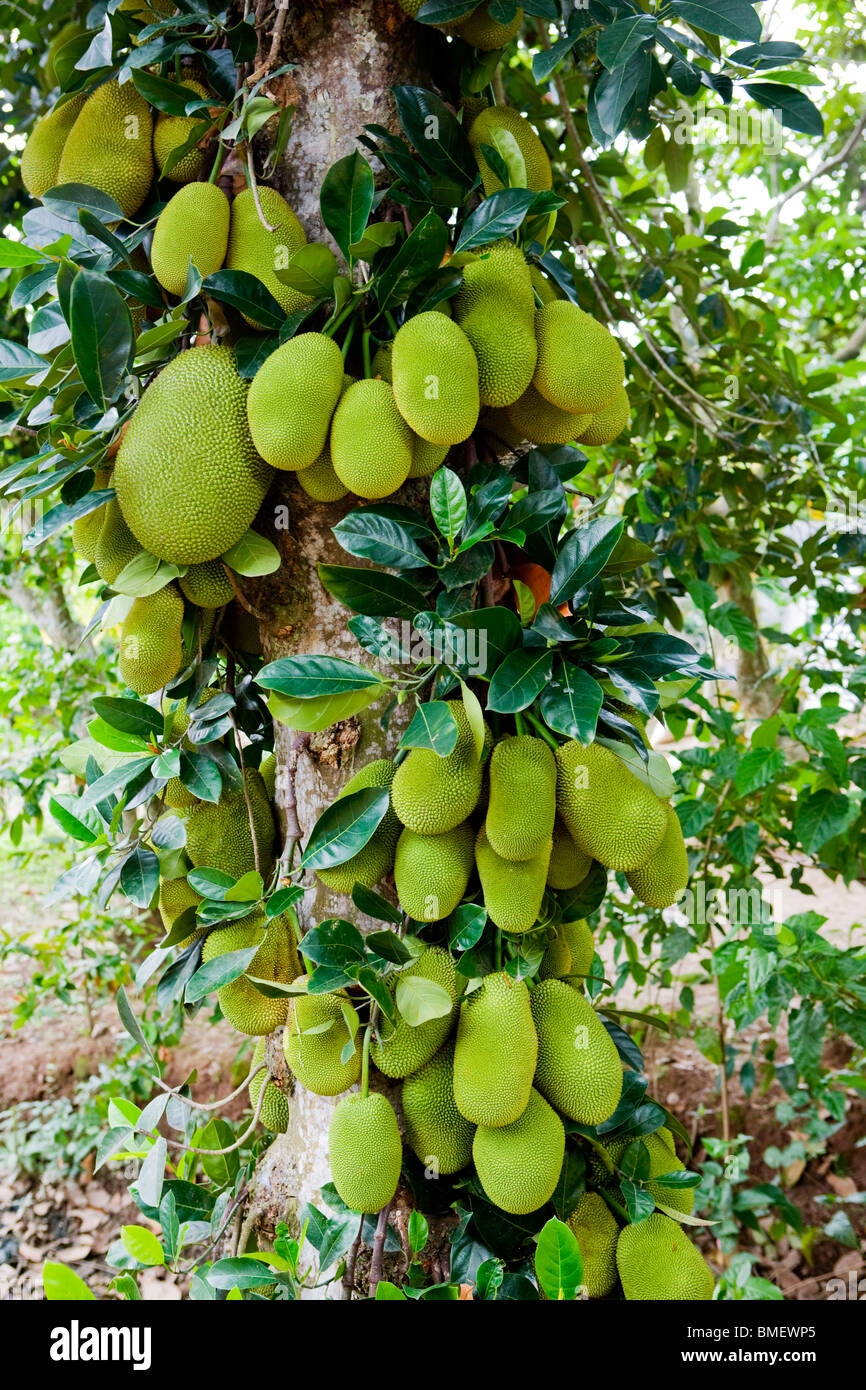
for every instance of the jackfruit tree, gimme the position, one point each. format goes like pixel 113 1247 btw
pixel 336 440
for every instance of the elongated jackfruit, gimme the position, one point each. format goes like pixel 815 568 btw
pixel 656 1260
pixel 661 880
pixel 482 31
pixel 597 1232
pixel 439 1135
pixel 192 227
pixel 609 813
pixel 40 158
pixel 568 865
pixel 578 1065
pixel 403 1048
pixel 431 871
pixel 608 424
pixel 522 805
pixel 431 794
pixel 116 545
pixel 207 585
pixel 274 1114
pixel 434 374
pixel 151 650
pixel 292 398
pixel 365 1151
pixel 495 307
pixel 243 1005
pixel 110 146
pixel 580 364
pixel 377 856
pixel 172 132
pixel 513 890
pixel 371 444
pixel 260 252
pixel 219 836
pixel 495 1053
pixel 514 140
pixel 535 418
pixel 581 944
pixel 188 478
pixel 316 1038
pixel 518 1164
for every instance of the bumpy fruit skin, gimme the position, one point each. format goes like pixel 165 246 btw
pixel 259 252
pixel 404 1049
pixel 244 1006
pixel 40 158
pixel 597 1232
pixel 151 650
pixel 172 132
pixel 535 418
pixel 207 585
pixel 486 33
pixel 426 457
pixel 660 881
pixel 568 865
pixel 109 146
pixel 188 478
pixel 175 896
pixel 431 871
pixel 435 1130
pixel 663 1159
pixel 518 1165
pixel 581 943
pixel 495 307
pixel 609 813
pixel 495 1052
pixel 371 444
pixel 377 856
pixel 580 364
pixel 218 836
pixel 315 1057
pixel 274 1114
pixel 579 1070
pixel 116 545
pixel 320 482
pixel 656 1260
pixel 434 374
pixel 431 795
pixel 193 225
pixel 608 424
pixel 522 805
pixel 511 135
pixel 365 1151
pixel 292 398
pixel 545 289
pixel 513 891
pixel 86 529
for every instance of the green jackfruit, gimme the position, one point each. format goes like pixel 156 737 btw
pixel 319 481
pixel 151 651
pixel 110 146
pixel 580 364
pixel 268 770
pixel 207 585
pixel 69 31
pixel 667 1139
pixel 381 364
pixel 581 944
pixel 495 307
pixel 426 457
pixel 261 252
pixel 435 1129
pixel 502 434
pixel 431 871
pixel 545 289
pixel 522 805
pixel 193 226
pixel 86 529
pixel 172 132
pixel 578 1065
pixel 404 1048
pixel 512 890
pixel 518 1164
pixel 556 960
pixel 177 796
pixel 514 139
pixel 411 7
pixel 597 1232
pixel 371 444
pixel 40 158
pixel 116 545
pixel 314 1051
pixel 495 1053
pixel 274 1114
pixel 661 880
pixel 664 1160
pixel 609 813
pixel 568 865
pixel 175 896
pixel 377 857
pixel 188 478
pixel 435 379
pixel 244 1006
pixel 219 836
pixel 431 794
pixel 657 1261
pixel 307 374
pixel 365 1151
pixel 536 419
pixel 608 424
pixel 482 31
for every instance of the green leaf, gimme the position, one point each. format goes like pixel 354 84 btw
pixel 791 108
pixel 14 254
pixel 17 361
pixel 612 93
pixel 437 134
pixel 620 41
pixel 143 575
pixel 246 293
pixel 496 217
pixel 305 677
pixel 571 702
pixel 253 555
pixel 420 254
pixel 63 1285
pixel 217 1134
pixel 67 200
pixel 315 715
pixel 311 270
pixel 372 593
pixel 433 726
pixel 420 1000
pixel 448 503
pixel 346 199
pixel 558 1262
pixel 344 828
pixel 241 1272
pixel 83 828
pixel 222 970
pixel 371 535
pixel 732 19
pixel 377 237
pixel 821 816
pixel 582 556
pixel 521 677
pixel 139 876
pixel 129 716
pixel 103 337
pixel 142 1245
pixel 388 1292
pixel 466 926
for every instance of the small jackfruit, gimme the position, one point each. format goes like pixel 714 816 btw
pixel 365 1151
pixel 86 529
pixel 482 31
pixel 219 836
pixel 377 856
pixel 426 457
pixel 439 1135
pixel 513 890
pixel 536 419
pixel 404 1048
pixel 207 585
pixel 292 398
pixel 371 444
pixel 656 1260
pixel 274 1114
pixel 110 146
pixel 193 226
pixel 151 650
pixel 431 794
pixel 495 307
pixel 435 379
pixel 664 1160
pixel 315 1040
pixel 545 289
pixel 260 252
pixel 522 804
pixel 608 424
pixel 495 1052
pixel 177 796
pixel 175 896
pixel 609 813
pixel 319 481
pixel 578 1065
pixel 172 132
pixel 116 545
pixel 661 880
pixel 581 944
pixel 514 139
pixel 580 364
pixel 597 1231
pixel 518 1164
pixel 40 158
pixel 568 865
pixel 431 871
pixel 243 1005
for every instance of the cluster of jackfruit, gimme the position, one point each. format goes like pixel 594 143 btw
pixel 477 26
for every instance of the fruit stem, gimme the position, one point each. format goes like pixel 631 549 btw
pixel 498 949
pixel 365 351
pixel 365 1061
pixel 350 333
pixel 543 731
pixel 520 723
pixel 218 163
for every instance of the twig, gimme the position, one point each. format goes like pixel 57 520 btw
pixel 348 1287
pixel 254 188
pixel 276 40
pixel 378 1250
pixel 242 598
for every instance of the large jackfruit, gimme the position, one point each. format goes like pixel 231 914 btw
pixel 315 1039
pixel 431 794
pixel 578 1065
pixel 431 871
pixel 518 1164
pixel 609 813
pixel 535 418
pixel 365 1151
pixel 435 379
pixel 172 132
pixel 661 880
pixel 116 545
pixel 110 146
pixel 292 398
pixel 219 836
pixel 514 139
pixel 568 865
pixel 151 647
pixel 86 529
pixel 261 252
pixel 404 1048
pixel 193 226
pixel 657 1261
pixel 188 478
pixel 522 804
pixel 597 1231
pixel 439 1135
pixel 513 890
pixel 495 1052
pixel 40 158
pixel 495 307
pixel 276 960
pixel 580 364
pixel 608 424
pixel 207 585
pixel 274 1114
pixel 482 31
pixel 371 444
pixel 377 856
